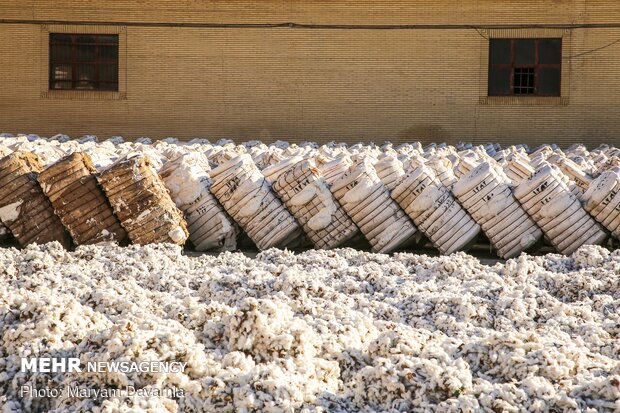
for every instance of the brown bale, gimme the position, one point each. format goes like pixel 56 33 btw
pixel 24 208
pixel 71 185
pixel 142 203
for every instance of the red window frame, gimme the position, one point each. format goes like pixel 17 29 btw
pixel 537 65
pixel 98 61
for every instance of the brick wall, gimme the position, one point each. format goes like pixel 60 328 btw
pixel 417 82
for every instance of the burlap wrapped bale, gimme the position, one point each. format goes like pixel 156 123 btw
pixel 435 211
pixel 24 208
pixel 367 202
pixel 246 195
pixel 78 200
pixel 4 231
pixel 141 201
pixel 557 211
pixel 187 179
pixel 306 194
pixel 488 199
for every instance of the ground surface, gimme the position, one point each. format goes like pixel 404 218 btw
pixel 315 331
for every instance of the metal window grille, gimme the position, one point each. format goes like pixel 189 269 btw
pixel 524 81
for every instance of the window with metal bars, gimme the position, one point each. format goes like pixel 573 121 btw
pixel 525 67
pixel 83 62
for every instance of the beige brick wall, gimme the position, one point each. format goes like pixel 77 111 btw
pixel 310 83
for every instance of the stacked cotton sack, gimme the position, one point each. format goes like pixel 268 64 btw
pixel 581 157
pixel 435 211
pixel 599 161
pixel 332 170
pixel 273 172
pixel 574 173
pixel 468 160
pixel 488 198
pixel 306 194
pixel 602 200
pixel 549 201
pixel 24 208
pixel 247 196
pixel 543 151
pixel 553 156
pixel 517 167
pixel 142 202
pixel 443 169
pixel 390 170
pixel 71 186
pixel 188 181
pixel 367 202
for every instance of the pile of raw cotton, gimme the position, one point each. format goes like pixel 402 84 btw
pixel 320 331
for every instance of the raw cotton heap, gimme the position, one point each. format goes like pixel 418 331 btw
pixel 71 186
pixel 322 331
pixel 24 208
pixel 142 202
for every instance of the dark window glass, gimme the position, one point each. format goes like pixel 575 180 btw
pixel 108 39
pixel 499 51
pixel 499 81
pixel 86 38
pixel 60 38
pixel 60 53
pixel 525 67
pixel 108 52
pixel 108 73
pixel 83 61
pixel 549 81
pixel 86 53
pixel 550 52
pixel 525 52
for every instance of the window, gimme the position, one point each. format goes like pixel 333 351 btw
pixel 83 62
pixel 530 67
